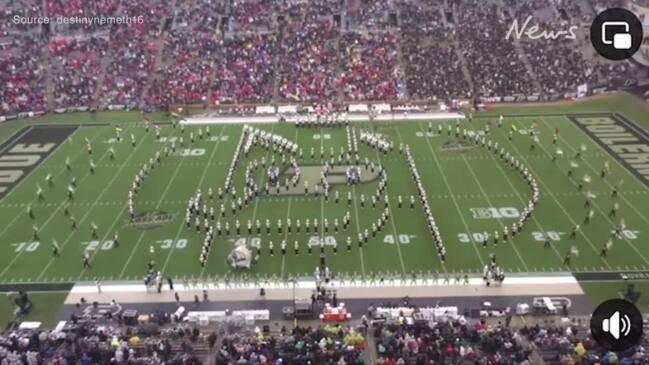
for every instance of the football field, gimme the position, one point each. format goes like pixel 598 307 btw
pixel 471 191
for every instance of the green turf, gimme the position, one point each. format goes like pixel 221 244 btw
pixel 632 107
pixel 46 307
pixel 455 182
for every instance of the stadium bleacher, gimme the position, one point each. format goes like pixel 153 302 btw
pixel 259 51
pixel 397 341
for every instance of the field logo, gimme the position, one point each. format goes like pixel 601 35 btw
pixel 26 150
pixel 151 219
pixel 495 213
pixel 311 174
pixel 100 310
pixel 458 146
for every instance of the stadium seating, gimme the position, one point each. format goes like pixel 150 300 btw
pixel 448 342
pixel 254 51
pixel 573 344
pixel 107 343
pixel 322 345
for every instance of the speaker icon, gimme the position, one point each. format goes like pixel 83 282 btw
pixel 616 325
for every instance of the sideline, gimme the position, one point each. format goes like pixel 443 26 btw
pixel 386 117
pixel 129 292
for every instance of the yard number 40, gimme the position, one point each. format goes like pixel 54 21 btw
pixel 403 239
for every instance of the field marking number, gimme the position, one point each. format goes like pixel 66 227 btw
pixel 403 239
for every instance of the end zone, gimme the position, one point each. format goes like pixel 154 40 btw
pixel 620 138
pixel 25 150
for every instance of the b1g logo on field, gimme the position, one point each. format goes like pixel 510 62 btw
pixel 495 213
pixel 151 219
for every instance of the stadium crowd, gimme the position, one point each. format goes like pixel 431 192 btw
pixel 22 75
pixel 573 345
pixel 245 74
pixel 432 66
pixel 328 344
pixel 133 50
pixel 371 67
pixel 103 344
pixel 253 51
pixel 367 14
pixel 559 66
pixel 111 340
pixel 496 67
pixel 309 71
pixel 448 342
pixel 75 67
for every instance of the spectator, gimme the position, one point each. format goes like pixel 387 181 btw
pixel 75 69
pixel 494 63
pixel 309 70
pixel 322 345
pixel 448 342
pixel 370 67
pixel 433 68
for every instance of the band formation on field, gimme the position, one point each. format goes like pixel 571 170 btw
pixel 417 200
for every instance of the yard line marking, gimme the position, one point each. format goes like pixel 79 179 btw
pixel 288 214
pixel 520 198
pixel 393 217
pixel 401 142
pixel 357 221
pixel 164 193
pixel 227 198
pixel 549 191
pixel 117 219
pixel 30 173
pixel 610 186
pixel 321 197
pixel 85 216
pixel 81 151
pixel 26 130
pixel 609 157
pixel 448 186
pixel 17 216
pixel 216 146
pixel 475 178
pixel 601 211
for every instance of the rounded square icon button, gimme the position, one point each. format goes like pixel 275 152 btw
pixel 622 41
pixel 616 34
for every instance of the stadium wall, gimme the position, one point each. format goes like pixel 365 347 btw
pixel 247 109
